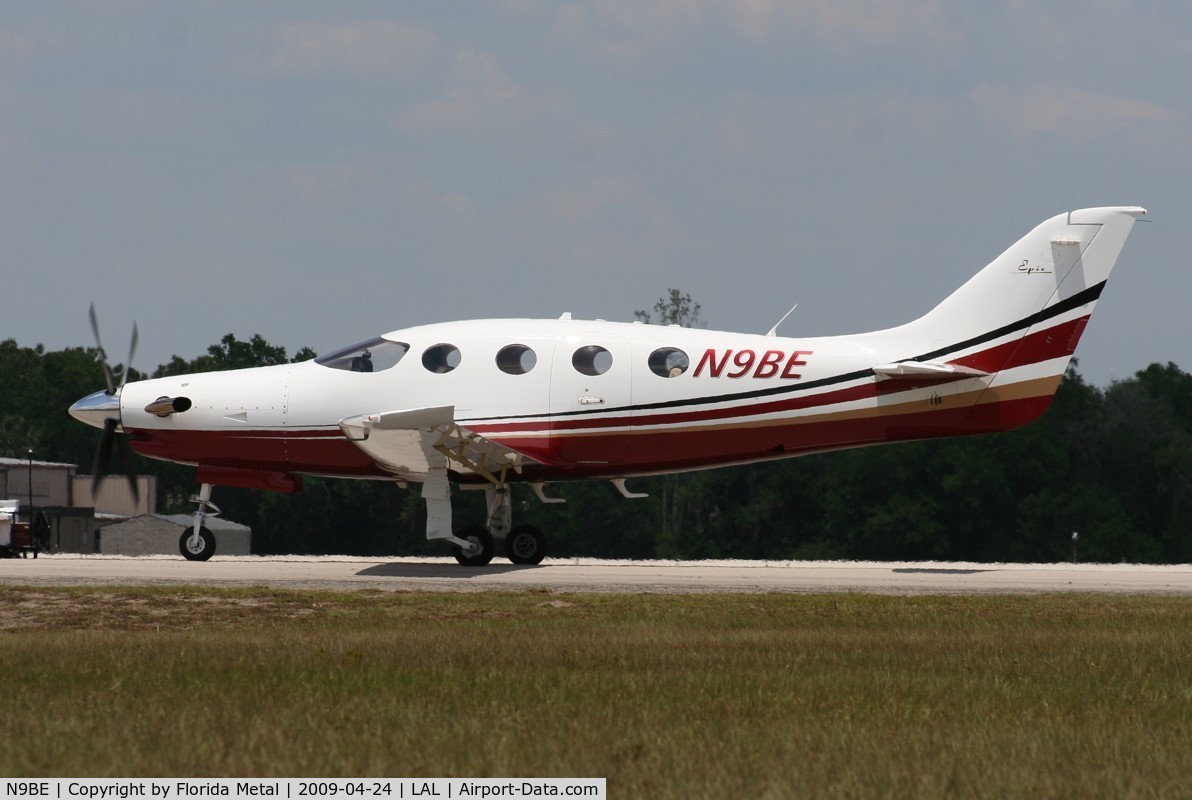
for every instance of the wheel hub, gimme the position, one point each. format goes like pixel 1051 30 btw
pixel 523 545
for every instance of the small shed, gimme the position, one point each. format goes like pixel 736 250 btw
pixel 158 534
pixel 115 496
pixel 36 483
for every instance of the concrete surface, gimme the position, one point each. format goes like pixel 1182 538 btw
pixel 595 575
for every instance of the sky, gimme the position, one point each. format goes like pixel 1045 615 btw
pixel 319 173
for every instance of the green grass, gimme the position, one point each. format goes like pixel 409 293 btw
pixel 666 696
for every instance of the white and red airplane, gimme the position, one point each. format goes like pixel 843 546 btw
pixel 487 403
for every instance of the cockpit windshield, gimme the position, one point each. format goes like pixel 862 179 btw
pixel 371 356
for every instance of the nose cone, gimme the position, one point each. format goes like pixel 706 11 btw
pixel 96 409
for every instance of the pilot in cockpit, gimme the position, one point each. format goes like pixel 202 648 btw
pixel 362 362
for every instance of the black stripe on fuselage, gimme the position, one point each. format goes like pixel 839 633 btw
pixel 1075 301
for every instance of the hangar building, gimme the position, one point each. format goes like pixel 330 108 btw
pixel 150 534
pixel 80 521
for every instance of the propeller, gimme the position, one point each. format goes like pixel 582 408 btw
pixel 103 354
pixel 112 441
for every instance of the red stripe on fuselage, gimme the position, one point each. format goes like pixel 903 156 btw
pixel 329 453
pixel 1057 341
pixel 686 449
pixel 861 391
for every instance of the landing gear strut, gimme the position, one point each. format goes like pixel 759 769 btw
pixel 474 545
pixel 198 543
pixel 444 444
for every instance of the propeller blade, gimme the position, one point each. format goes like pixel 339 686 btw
pixel 103 356
pixel 128 460
pixel 104 454
pixel 111 438
pixel 132 351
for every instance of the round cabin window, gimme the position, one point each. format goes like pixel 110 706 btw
pixel 516 359
pixel 592 360
pixel 441 358
pixel 669 362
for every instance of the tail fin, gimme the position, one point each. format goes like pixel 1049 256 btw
pixel 1049 280
pixel 1018 320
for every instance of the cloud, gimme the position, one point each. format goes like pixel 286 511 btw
pixel 1063 110
pixel 843 22
pixel 480 89
pixel 629 28
pixel 601 198
pixel 325 187
pixel 641 14
pixel 358 49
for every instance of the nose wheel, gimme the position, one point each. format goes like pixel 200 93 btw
pixel 197 543
pixel 197 547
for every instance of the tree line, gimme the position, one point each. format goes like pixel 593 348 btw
pixel 1111 465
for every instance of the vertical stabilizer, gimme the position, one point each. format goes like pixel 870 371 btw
pixel 1053 274
pixel 1019 320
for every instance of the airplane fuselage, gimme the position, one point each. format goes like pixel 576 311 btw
pixel 654 399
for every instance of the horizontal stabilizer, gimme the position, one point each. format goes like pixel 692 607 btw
pixel 926 370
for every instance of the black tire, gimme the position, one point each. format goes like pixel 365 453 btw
pixel 525 544
pixel 483 538
pixel 207 541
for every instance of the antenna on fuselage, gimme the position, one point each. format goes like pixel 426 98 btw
pixel 774 331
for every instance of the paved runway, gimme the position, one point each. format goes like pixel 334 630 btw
pixel 595 575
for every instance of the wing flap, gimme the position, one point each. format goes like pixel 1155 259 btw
pixel 411 442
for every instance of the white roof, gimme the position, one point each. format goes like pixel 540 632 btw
pixel 214 523
pixel 24 462
pixel 181 520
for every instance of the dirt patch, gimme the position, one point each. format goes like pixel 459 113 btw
pixel 24 609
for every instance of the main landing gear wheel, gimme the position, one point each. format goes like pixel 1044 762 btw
pixel 200 550
pixel 483 552
pixel 525 544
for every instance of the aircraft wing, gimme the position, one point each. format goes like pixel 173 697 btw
pixel 410 442
pixel 925 370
